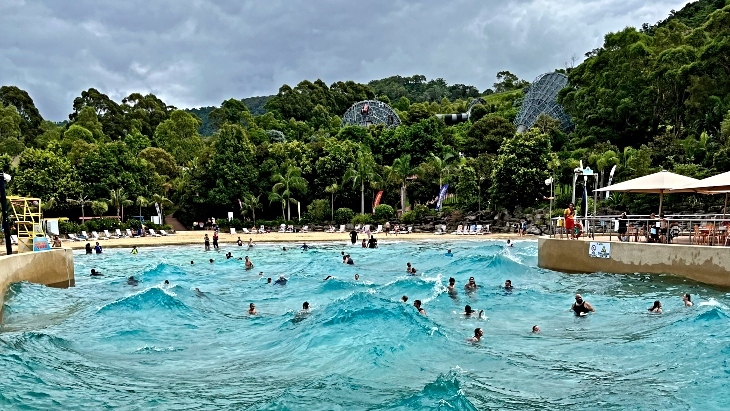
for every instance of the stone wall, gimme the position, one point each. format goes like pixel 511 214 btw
pixel 709 265
pixel 54 268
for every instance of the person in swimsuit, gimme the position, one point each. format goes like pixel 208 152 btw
pixel 95 273
pixel 364 243
pixel 581 307
pixel 449 253
pixel 353 236
pixel 468 311
pixel 535 329
pixel 88 248
pixel 404 298
pixel 281 281
pixel 250 242
pixel 471 285
pixel 509 243
pixel 134 250
pixel 508 285
pixel 304 247
pixel 452 286
pixel 97 248
pixel 687 299
pixel 252 309
pixel 248 264
pixel 569 216
pixel 305 306
pixel 417 304
pixel 478 334
pixel 132 281
pixel 656 308
pixel 408 268
pixel 239 242
pixel 357 277
pixel 215 239
pixel 206 242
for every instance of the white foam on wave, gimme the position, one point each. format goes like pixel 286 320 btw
pixel 713 303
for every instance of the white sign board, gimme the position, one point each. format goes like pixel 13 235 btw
pixel 230 215
pixel 599 250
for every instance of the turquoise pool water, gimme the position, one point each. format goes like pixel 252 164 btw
pixel 107 345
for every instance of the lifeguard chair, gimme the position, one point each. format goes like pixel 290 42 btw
pixel 25 214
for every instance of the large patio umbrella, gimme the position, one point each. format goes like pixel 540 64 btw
pixel 719 184
pixel 660 182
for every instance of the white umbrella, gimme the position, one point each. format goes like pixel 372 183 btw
pixel 717 184
pixel 660 182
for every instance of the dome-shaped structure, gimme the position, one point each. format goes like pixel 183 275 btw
pixel 369 112
pixel 542 98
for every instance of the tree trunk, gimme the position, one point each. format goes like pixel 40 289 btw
pixel 288 210
pixel 83 216
pixel 403 198
pixel 333 207
pixel 362 196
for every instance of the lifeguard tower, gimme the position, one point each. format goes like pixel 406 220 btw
pixel 25 213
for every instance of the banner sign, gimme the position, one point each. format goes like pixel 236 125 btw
pixel 377 198
pixel 599 250
pixel 41 244
pixel 442 194
pixel 159 213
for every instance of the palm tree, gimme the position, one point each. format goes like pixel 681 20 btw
pixel 251 203
pixel 141 202
pixel 399 172
pixel 332 189
pixel 83 201
pixel 286 184
pixel 163 202
pixel 442 166
pixel 606 159
pixel 364 169
pixel 276 197
pixel 118 198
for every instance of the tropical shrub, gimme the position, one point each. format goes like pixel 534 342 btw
pixel 344 215
pixel 384 212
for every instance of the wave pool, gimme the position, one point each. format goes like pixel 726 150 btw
pixel 105 344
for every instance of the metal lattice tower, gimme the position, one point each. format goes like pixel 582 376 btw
pixel 369 112
pixel 542 98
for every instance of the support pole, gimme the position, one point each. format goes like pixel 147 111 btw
pixel 5 224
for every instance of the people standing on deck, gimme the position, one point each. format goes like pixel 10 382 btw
pixel 581 307
pixel 569 216
pixel 622 227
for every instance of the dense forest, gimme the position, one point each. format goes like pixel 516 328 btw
pixel 651 98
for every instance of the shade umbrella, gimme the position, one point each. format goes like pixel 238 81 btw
pixel 718 184
pixel 660 182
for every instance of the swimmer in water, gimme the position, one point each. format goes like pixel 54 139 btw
pixel 580 306
pixel 509 243
pixel 268 280
pixel 452 285
pixel 167 282
pixel 656 308
pixel 281 281
pixel 252 309
pixel 95 273
pixel 211 261
pixel 206 242
pixel 283 248
pixel 687 299
pixel 88 248
pixel 132 281
pixel 535 329
pixel 348 260
pixel 468 311
pixel 134 250
pixel 192 262
pixel 364 243
pixel 261 273
pixel 417 304
pixel 471 285
pixel 478 334
pixel 414 271
pixel 404 298
pixel 251 243
pixel 239 242
pixel 248 263
pixel 508 285
pixel 449 253
pixel 408 268
pixel 304 247
pixel 199 293
pixel 357 277
pixel 305 306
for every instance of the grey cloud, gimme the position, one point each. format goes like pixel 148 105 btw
pixel 196 53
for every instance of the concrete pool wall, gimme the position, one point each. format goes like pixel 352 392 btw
pixel 705 264
pixel 54 268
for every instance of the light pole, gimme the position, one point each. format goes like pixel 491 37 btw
pixel 4 201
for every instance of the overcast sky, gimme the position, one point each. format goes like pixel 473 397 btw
pixel 199 53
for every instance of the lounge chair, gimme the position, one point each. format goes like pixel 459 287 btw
pixel 72 237
pixel 366 229
pixel 342 228
pixel 331 229
pixel 245 230
pixel 282 228
pixel 232 230
pixel 479 230
pixel 97 237
pixel 153 233
pixel 108 235
pixel 130 234
pixel 408 231
pixel 163 232
pixel 119 233
pixel 379 229
pixel 440 229
pixel 262 230
pixel 305 229
pixel 84 236
pixel 459 230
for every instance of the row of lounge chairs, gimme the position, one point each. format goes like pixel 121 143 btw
pixel 117 234
pixel 475 229
pixel 305 229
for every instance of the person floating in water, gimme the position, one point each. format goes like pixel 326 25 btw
pixel 252 309
pixel 346 259
pixel 281 281
pixel 199 293
pixel 581 307
pixel 687 299
pixel 656 308
pixel 268 280
pixel 478 334
pixel 192 262
pixel 97 248
pixel 414 271
pixel 248 263
pixel 239 242
pixel 95 273
pixel 449 253
pixel 134 250
pixel 408 268
pixel 132 281
pixel 404 298
pixel 508 285
pixel 451 288
pixel 509 243
pixel 357 277
pixel 471 285
pixel 283 248
pixel 88 248
pixel 305 306
pixel 417 304
pixel 167 282
pixel 211 261
pixel 535 329
pixel 206 242
pixel 468 311
pixel 353 236
pixel 304 247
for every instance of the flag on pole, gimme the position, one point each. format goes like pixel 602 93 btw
pixel 442 194
pixel 610 180
pixel 377 198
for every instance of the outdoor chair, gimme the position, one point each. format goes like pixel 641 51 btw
pixel 233 230
pixel 154 234
pixel 119 233
pixel 108 235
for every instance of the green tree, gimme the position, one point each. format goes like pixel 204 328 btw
pixel 109 113
pixel 231 111
pixel 251 203
pixel 30 125
pixel 287 184
pixel 141 202
pixel 520 170
pixel 486 135
pixel 118 199
pixel 507 81
pixel 332 189
pixel 179 136
pixel 399 173
pixel 163 202
pixel 163 161
pixel 145 113
pixel 42 174
pixel 83 201
pixel 99 207
pixel 232 170
pixel 362 170
pixel 88 119
pixel 317 210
